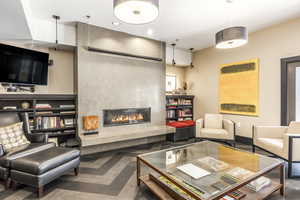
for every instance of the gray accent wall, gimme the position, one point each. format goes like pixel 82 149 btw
pixel 112 82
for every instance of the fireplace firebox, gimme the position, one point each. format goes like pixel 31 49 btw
pixel 128 116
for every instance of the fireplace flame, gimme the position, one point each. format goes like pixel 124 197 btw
pixel 126 118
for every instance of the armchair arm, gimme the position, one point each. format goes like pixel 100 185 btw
pixel 269 131
pixel 292 146
pixel 38 137
pixel 229 126
pixel 199 126
pixel 1 150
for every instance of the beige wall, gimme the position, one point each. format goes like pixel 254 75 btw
pixel 60 75
pixel 269 45
pixel 179 72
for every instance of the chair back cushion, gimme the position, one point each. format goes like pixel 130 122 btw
pixel 294 127
pixel 12 136
pixel 214 121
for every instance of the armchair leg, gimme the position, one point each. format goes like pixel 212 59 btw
pixel 253 148
pixel 76 171
pixel 7 183
pixel 40 191
pixel 290 169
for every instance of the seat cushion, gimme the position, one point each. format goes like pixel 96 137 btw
pixel 181 124
pixel 43 161
pixel 213 121
pixel 215 134
pixel 12 136
pixel 273 145
pixel 24 150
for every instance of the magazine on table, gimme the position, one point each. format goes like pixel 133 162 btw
pixel 213 163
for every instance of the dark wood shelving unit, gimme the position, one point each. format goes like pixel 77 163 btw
pixel 175 105
pixel 63 134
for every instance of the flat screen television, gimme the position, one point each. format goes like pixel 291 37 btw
pixel 23 66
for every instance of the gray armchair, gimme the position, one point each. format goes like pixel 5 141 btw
pixel 38 143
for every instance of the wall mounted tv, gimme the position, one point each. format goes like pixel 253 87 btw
pixel 23 66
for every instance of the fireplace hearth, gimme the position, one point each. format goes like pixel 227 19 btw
pixel 128 116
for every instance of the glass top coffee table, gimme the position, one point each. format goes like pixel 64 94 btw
pixel 209 171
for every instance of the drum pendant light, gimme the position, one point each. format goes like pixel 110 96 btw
pixel 232 37
pixel 136 11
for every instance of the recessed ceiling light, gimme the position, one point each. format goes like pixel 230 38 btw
pixel 116 23
pixel 150 32
pixel 136 11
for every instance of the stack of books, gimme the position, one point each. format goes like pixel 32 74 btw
pixel 238 174
pixel 214 164
pixel 259 184
pixel 49 122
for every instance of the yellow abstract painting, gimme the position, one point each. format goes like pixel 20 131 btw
pixel 239 88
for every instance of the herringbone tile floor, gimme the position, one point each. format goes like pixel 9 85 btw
pixel 111 176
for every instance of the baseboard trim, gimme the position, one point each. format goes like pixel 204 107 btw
pixel 244 140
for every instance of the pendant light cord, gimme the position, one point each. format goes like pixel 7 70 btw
pixel 56 17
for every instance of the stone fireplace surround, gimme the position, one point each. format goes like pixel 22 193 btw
pixel 112 82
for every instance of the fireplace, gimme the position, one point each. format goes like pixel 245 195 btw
pixel 128 116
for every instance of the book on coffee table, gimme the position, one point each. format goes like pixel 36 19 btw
pixel 193 171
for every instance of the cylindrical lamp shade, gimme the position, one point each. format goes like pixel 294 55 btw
pixel 231 37
pixel 136 11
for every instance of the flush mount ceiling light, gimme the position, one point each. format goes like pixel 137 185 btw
pixel 136 11
pixel 231 37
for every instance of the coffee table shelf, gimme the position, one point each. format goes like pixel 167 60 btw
pixel 156 161
pixel 164 193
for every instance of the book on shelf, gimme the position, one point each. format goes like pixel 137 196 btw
pixel 52 123
pixel 259 184
pixel 68 112
pixel 43 106
pixel 227 198
pixel 193 171
pixel 10 108
pixel 67 106
pixel 238 174
pixel 171 114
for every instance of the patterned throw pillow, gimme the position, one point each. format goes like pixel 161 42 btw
pixel 12 136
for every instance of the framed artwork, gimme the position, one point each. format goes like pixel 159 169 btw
pixel 239 88
pixel 170 83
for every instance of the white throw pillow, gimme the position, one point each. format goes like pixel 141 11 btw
pixel 214 121
pixel 12 136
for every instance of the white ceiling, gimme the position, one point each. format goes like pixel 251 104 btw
pixel 194 22
pixel 13 21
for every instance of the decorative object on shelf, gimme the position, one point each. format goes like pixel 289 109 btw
pixel 239 88
pixel 90 123
pixel 136 12
pixel 25 105
pixel 232 37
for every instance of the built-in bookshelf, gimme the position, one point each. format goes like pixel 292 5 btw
pixel 179 107
pixel 53 114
